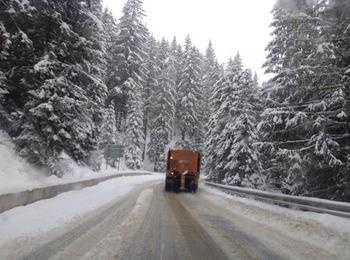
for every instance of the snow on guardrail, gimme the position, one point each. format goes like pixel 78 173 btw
pixel 12 200
pixel 341 209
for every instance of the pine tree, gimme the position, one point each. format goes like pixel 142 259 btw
pixel 109 132
pixel 211 74
pixel 65 105
pixel 108 128
pixel 30 33
pixel 93 30
pixel 232 156
pixel 16 58
pixel 217 120
pixel 304 124
pixel 134 125
pixel 332 58
pixel 163 107
pixel 256 80
pixel 151 83
pixel 111 36
pixel 176 54
pixel 128 94
pixel 189 94
pixel 5 44
pixel 242 164
pixel 284 92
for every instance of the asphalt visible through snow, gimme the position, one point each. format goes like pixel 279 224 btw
pixel 149 223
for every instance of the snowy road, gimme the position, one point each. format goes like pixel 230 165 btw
pixel 147 223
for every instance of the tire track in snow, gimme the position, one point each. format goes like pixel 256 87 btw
pixel 88 233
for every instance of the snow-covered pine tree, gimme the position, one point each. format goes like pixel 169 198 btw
pixel 210 75
pixel 153 69
pixel 232 156
pixel 5 118
pixel 176 53
pixel 256 80
pixel 286 59
pixel 95 63
pixel 189 94
pixel 19 21
pixel 198 136
pixel 128 94
pixel 3 85
pixel 134 125
pixel 163 107
pixel 4 88
pixel 111 35
pixel 243 164
pixel 151 82
pixel 5 45
pixel 217 120
pixel 131 51
pixel 304 124
pixel 330 61
pixel 109 126
pixel 16 58
pixel 60 114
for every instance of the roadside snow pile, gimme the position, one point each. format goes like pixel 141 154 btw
pixel 332 232
pixel 27 221
pixel 18 175
pixel 15 173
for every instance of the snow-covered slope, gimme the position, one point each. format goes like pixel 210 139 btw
pixel 15 173
pixel 18 175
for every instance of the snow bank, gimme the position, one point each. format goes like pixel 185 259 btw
pixel 25 222
pixel 338 223
pixel 330 232
pixel 17 175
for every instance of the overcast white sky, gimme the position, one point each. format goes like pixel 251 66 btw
pixel 232 25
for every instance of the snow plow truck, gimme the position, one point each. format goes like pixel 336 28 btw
pixel 182 171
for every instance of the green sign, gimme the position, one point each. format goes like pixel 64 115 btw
pixel 114 151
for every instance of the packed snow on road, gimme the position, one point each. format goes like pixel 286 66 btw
pixel 45 215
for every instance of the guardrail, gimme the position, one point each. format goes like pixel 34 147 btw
pixel 341 209
pixel 12 200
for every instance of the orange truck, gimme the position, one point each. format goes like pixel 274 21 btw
pixel 182 171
